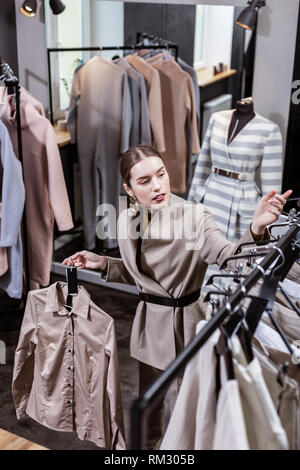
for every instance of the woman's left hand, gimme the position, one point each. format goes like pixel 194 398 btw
pixel 268 210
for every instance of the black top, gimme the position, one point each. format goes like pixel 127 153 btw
pixel 243 114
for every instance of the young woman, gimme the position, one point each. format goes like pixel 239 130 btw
pixel 166 244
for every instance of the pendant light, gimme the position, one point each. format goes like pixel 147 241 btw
pixel 248 18
pixel 29 8
pixel 57 6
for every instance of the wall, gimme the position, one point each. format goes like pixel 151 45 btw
pixel 32 57
pixel 8 38
pixel 218 18
pixel 274 60
pixel 107 24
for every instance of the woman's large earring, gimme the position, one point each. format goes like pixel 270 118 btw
pixel 134 207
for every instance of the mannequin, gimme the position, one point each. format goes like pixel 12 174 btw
pixel 243 114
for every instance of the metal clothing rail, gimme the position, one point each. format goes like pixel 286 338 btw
pixel 98 48
pixel 283 254
pixel 13 87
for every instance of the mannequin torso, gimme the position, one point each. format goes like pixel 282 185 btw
pixel 243 114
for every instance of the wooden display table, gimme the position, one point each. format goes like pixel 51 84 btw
pixel 205 76
pixel 9 441
pixel 62 137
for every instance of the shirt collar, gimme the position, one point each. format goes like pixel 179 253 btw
pixel 57 297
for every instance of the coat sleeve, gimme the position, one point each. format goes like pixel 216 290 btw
pixel 117 272
pixel 24 359
pixel 126 115
pixel 213 247
pixel 58 195
pixel 203 168
pixel 145 121
pixel 271 165
pixel 13 192
pixel 192 115
pixel 114 391
pixel 73 105
pixel 155 112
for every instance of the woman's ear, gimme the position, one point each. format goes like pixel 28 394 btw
pixel 128 190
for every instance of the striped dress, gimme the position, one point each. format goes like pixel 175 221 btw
pixel 255 153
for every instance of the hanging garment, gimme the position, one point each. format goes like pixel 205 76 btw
pixel 140 131
pixel 13 198
pixel 66 367
pixel 190 158
pixel 257 149
pixel 170 261
pixel 46 194
pixel 100 119
pixel 152 82
pixel 198 419
pixel 191 71
pixel 179 113
pixel 3 252
pixel 285 393
pixel 264 429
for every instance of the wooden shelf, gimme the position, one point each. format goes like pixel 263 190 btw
pixel 205 77
pixel 9 441
pixel 62 137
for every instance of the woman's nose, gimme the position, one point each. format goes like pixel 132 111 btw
pixel 156 183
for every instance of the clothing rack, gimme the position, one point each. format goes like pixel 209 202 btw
pixel 13 87
pixel 99 48
pixel 283 255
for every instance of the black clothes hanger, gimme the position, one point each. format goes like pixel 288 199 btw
pixel 257 243
pixel 223 349
pixel 245 256
pixel 236 277
pixel 71 279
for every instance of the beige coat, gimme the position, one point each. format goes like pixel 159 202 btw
pixel 169 267
pixel 179 119
pixel 153 87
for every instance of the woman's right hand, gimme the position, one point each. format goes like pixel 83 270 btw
pixel 86 259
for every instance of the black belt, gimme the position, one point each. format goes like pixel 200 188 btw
pixel 169 301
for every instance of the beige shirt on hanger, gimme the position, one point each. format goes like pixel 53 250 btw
pixel 66 367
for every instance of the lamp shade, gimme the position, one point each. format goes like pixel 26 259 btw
pixel 29 8
pixel 57 6
pixel 247 19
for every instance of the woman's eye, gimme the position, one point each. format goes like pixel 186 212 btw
pixel 144 182
pixel 162 174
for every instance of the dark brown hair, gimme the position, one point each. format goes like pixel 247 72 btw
pixel 134 155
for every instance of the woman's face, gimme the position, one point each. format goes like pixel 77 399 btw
pixel 149 183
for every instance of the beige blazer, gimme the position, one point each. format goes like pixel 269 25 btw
pixel 169 266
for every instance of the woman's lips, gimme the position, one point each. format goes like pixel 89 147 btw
pixel 159 197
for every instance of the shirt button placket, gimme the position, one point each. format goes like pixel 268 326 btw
pixel 69 372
